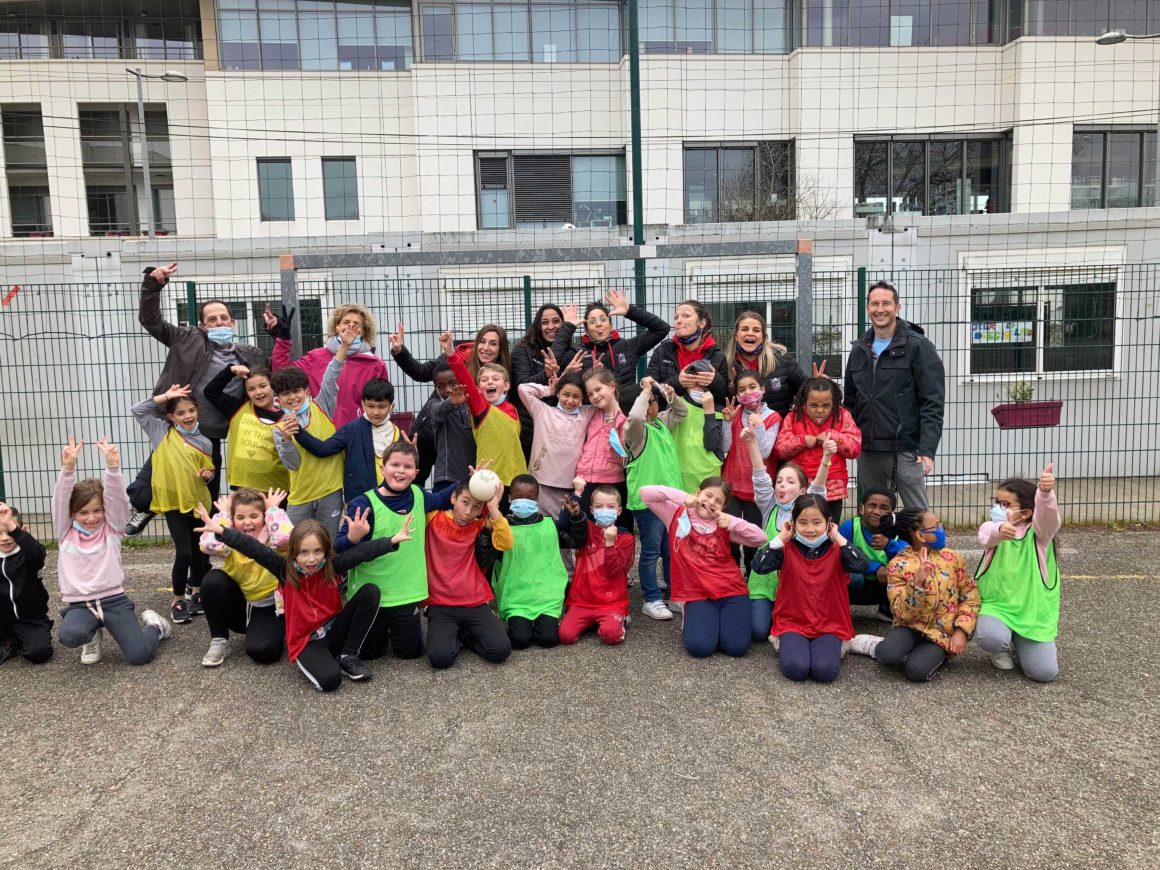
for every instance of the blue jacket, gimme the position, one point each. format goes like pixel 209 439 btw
pixel 892 549
pixel 357 439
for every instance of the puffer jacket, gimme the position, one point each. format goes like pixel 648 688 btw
pixel 947 599
pixel 896 399
pixel 358 369
pixel 664 368
pixel 781 385
pixel 791 446
pixel 616 353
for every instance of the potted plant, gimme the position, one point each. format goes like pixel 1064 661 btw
pixel 1019 412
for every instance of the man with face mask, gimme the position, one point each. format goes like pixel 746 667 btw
pixel 196 355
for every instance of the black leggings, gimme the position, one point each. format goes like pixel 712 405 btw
pixel 400 628
pixel 477 628
pixel 189 562
pixel 344 637
pixel 544 631
pixel 226 610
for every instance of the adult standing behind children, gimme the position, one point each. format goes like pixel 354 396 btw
pixel 196 355
pixel 361 364
pixel 894 388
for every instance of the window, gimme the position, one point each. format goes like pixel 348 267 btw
pixel 315 34
pixel 34 36
pixel 31 210
pixel 780 314
pixel 275 189
pixel 1113 168
pixel 932 176
pixel 518 31
pixel 24 40
pixel 1089 17
pixel 546 191
pixel 714 26
pixel 340 188
pixel 739 183
pixel 1043 328
pixel 874 23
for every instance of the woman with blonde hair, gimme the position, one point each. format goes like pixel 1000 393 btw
pixel 362 364
pixel 749 349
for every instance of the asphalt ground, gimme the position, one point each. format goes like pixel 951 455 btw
pixel 634 755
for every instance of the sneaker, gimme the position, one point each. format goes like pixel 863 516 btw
pixel 137 523
pixel 159 622
pixel 354 668
pixel 179 612
pixel 195 607
pixel 219 648
pixel 91 651
pixel 1003 660
pixel 865 644
pixel 656 610
pixel 7 651
pixel 883 614
pixel 775 642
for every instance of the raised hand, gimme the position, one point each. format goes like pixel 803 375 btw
pixel 413 440
pixel 748 433
pixel 834 535
pixel 753 420
pixel 818 371
pixel 447 343
pixel 646 384
pixel 7 520
pixel 493 502
pixel 578 484
pixel 704 379
pixel 1047 478
pixel 396 338
pixel 1007 531
pixel 576 363
pixel 786 533
pixel 208 523
pixel 110 452
pixel 177 391
pixel 70 452
pixel 551 364
pixel 730 410
pixel 162 274
pixel 289 425
pixel 403 534
pixel 241 371
pixel 458 395
pixel 224 504
pixel 708 403
pixel 274 497
pixel 347 334
pixel 724 519
pixel 596 363
pixel 829 447
pixel 610 533
pixel 278 325
pixel 573 506
pixel 571 314
pixel 358 526
pixel 617 303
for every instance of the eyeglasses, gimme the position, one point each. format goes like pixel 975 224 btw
pixel 1006 505
pixel 932 531
pixel 594 321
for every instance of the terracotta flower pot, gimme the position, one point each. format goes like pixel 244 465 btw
pixel 1027 415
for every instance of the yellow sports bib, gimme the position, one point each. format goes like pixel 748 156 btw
pixel 317 478
pixel 251 457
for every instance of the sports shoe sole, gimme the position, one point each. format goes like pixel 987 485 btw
pixel 356 679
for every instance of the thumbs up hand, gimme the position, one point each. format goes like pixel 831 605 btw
pixel 1047 478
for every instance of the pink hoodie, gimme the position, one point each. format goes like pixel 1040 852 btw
pixel 598 462
pixel 558 437
pixel 359 368
pixel 88 567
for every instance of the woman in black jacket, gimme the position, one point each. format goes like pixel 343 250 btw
pixel 692 340
pixel 528 362
pixel 749 349
pixel 600 341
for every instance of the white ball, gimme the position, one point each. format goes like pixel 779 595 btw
pixel 482 484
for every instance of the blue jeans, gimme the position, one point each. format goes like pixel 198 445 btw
pixel 820 657
pixel 654 545
pixel 717 624
pixel 761 611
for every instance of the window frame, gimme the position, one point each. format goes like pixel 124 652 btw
pixel 289 163
pixel 1105 132
pixel 761 183
pixel 353 161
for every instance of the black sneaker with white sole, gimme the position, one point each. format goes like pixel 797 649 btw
pixel 179 613
pixel 354 668
pixel 137 523
pixel 195 606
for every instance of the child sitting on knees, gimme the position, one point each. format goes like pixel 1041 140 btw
pixel 89 520
pixel 598 594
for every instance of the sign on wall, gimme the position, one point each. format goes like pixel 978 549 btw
pixel 1002 332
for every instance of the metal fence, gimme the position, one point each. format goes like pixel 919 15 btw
pixel 74 360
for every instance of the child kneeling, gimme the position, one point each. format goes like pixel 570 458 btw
pixel 598 594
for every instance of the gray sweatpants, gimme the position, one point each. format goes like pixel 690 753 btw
pixel 327 510
pixel 1036 658
pixel 79 622
pixel 875 467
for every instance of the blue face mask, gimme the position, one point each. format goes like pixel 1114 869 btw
pixel 88 533
pixel 501 398
pixel 196 428
pixel 615 443
pixel 812 543
pixel 524 507
pixel 220 335
pixel 998 514
pixel 575 412
pixel 940 538
pixel 684 526
pixel 689 339
pixel 303 413
pixel 604 517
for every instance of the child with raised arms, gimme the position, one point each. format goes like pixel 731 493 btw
pixel 323 636
pixel 934 600
pixel 558 435
pixel 705 578
pixel 242 596
pixel 603 455
pixel 461 545
pixel 811 616
pixel 182 465
pixel 88 517
pixel 401 576
pixel 529 579
pixel 1018 577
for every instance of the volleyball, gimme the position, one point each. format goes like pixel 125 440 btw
pixel 482 484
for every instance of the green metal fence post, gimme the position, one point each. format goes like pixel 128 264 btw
pixel 638 264
pixel 861 299
pixel 527 300
pixel 191 301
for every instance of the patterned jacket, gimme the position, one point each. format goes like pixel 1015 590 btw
pixel 947 599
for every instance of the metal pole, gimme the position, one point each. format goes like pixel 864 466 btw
pixel 145 153
pixel 289 275
pixel 1156 165
pixel 191 302
pixel 861 300
pixel 638 264
pixel 527 300
pixel 804 309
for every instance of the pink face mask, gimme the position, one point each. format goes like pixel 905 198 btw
pixel 750 400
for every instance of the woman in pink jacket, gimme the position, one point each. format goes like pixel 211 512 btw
pixel 361 366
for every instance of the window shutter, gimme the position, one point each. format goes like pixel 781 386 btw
pixel 493 173
pixel 543 188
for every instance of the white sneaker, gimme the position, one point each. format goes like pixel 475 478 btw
pixel 91 651
pixel 159 622
pixel 656 610
pixel 219 648
pixel 775 642
pixel 865 644
pixel 1002 660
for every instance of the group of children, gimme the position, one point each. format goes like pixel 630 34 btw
pixel 333 551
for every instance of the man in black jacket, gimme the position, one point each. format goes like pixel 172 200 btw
pixel 894 388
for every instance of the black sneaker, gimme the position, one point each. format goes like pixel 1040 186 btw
pixel 884 614
pixel 354 668
pixel 179 612
pixel 195 608
pixel 7 651
pixel 137 523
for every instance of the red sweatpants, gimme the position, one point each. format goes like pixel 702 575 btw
pixel 577 620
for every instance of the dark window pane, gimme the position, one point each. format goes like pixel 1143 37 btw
pixel 1089 17
pixel 695 26
pixel 473 32
pixel 771 26
pixel 908 189
pixel 1003 329
pixel 869 23
pixel 318 36
pixel 946 178
pixel 910 20
pixel 356 39
pixel 1087 170
pixel 1048 17
pixel 1081 327
pixel 734 26
pixel 110 212
pixel 1131 15
pixel 275 190
pixel 827 22
pixel 340 189
pixel 1015 27
pixel 700 185
pixel 736 184
pixel 31 210
pixel 279 36
pixel 1123 170
pixel 393 37
pixel 951 22
pixel 598 39
pixel 1150 169
pixel 599 191
pixel 870 178
pixel 985 177
pixel 438 44
pixel 239 40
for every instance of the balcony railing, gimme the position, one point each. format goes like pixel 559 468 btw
pixel 25 152
pixel 111 152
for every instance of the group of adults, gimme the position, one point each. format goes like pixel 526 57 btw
pixel 893 385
